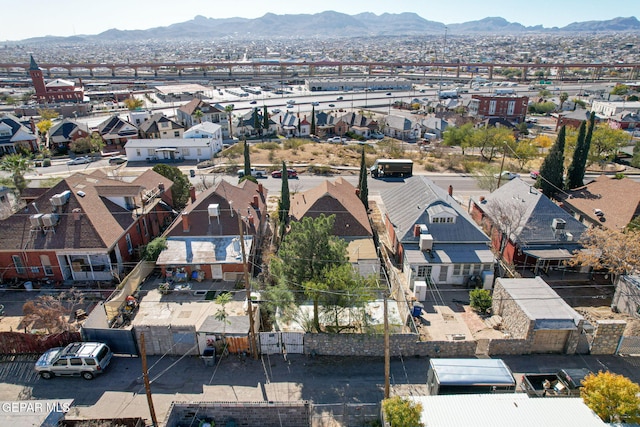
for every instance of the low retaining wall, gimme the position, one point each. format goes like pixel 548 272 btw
pixel 511 347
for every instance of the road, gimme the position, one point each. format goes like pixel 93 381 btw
pixel 322 380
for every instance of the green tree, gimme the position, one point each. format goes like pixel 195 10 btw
pixel 400 412
pixel 313 120
pixel 615 398
pixel 544 93
pixel 458 136
pixel 480 300
pixel 486 179
pixel 525 151
pixel 221 314
pixel 606 142
pixel 575 173
pixel 635 161
pixel 284 204
pixel 17 165
pixel 257 123
pixel 620 89
pixel 544 107
pixel 180 187
pixel 48 114
pixel 490 140
pixel 198 115
pixel 307 252
pixel 363 186
pixel 247 159
pixel 133 103
pixel 552 170
pixel 563 98
pixel 265 119
pixel 154 248
pixel 229 110
pixel 90 144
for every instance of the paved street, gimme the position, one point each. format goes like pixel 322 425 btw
pixel 120 391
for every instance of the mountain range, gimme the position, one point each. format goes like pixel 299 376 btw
pixel 331 24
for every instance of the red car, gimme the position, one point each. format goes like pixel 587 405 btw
pixel 291 173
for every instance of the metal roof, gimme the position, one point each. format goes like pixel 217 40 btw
pixel 504 410
pixel 472 371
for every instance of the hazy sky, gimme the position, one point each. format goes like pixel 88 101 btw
pixel 22 19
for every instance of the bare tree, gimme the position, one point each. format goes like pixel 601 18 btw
pixel 507 218
pixel 52 312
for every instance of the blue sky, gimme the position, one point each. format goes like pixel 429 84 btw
pixel 23 19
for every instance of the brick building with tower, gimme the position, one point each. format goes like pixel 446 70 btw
pixel 56 91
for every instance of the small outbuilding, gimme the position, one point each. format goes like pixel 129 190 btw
pixel 531 310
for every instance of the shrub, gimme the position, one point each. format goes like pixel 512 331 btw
pixel 480 300
pixel 401 412
pixel 318 169
pixel 268 146
pixel 46 163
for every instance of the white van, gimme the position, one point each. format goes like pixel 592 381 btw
pixel 87 359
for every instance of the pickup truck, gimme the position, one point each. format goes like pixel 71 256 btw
pixel 565 382
pixel 256 173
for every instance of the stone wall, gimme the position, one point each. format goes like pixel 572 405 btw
pixel 276 414
pixel 174 340
pixel 514 319
pixel 607 336
pixel 509 347
pixel 373 345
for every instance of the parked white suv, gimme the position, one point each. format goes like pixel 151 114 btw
pixel 87 359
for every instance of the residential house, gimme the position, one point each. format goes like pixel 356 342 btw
pixel 197 111
pixel 574 118
pixel 207 130
pixel 512 108
pixel 605 202
pixel 626 120
pixel 290 124
pixel 360 124
pixel 434 239
pixel 434 125
pixel 526 227
pixel 137 117
pixel 15 136
pixel 351 224
pixel 612 108
pixel 207 237
pixel 115 132
pixel 159 126
pixel 402 128
pixel 245 126
pixel 325 124
pixel 86 227
pixel 170 150
pixel 67 131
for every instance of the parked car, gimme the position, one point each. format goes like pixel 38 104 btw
pixel 275 110
pixel 291 173
pixel 291 101
pixel 507 175
pixel 336 140
pixel 87 359
pixel 315 103
pixel 289 105
pixel 340 98
pixel 118 160
pixel 534 174
pixel 253 102
pixel 332 105
pixel 79 161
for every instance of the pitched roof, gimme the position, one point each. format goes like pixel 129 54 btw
pixel 16 129
pixel 337 198
pixel 198 104
pixel 410 204
pixel 151 125
pixel 117 127
pixel 617 199
pixel 101 221
pixel 399 122
pixel 228 197
pixel 65 129
pixel 538 214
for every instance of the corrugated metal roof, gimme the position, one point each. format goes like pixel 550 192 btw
pixel 504 410
pixel 472 371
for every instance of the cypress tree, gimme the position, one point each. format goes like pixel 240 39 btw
pixel 575 173
pixel 313 120
pixel 247 160
pixel 587 140
pixel 550 179
pixel 265 120
pixel 256 121
pixel 363 188
pixel 284 205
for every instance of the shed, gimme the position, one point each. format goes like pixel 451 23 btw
pixel 533 311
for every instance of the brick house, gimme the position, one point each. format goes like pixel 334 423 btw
pixel 86 227
pixel 512 108
pixel 15 136
pixel 115 132
pixel 67 131
pixel 205 239
pixel 351 224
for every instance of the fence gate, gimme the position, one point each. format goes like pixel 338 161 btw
pixel 629 346
pixel 270 343
pixel 292 342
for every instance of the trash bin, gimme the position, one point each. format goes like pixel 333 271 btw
pixel 209 356
pixel 417 309
pixel 192 173
pixel 28 286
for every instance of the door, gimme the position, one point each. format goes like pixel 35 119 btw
pixel 444 274
pixel 292 342
pixel 270 342
pixel 216 272
pixel 60 367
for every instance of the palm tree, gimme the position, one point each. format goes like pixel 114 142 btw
pixel 18 166
pixel 229 110
pixel 198 115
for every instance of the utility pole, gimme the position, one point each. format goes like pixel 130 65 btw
pixel 147 385
pixel 247 287
pixel 387 362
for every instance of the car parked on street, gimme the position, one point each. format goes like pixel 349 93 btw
pixel 507 175
pixel 291 173
pixel 79 161
pixel 86 359
pixel 117 160
pixel 336 140
pixel 534 174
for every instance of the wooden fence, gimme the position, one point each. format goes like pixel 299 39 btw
pixel 21 343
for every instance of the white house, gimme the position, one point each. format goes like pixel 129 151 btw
pixel 175 149
pixel 207 130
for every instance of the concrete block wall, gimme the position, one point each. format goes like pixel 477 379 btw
pixel 160 340
pixel 515 321
pixel 509 347
pixel 607 336
pixel 373 345
pixel 266 414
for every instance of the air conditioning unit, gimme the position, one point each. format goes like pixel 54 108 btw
pixel 558 224
pixel 569 237
pixel 49 220
pixel 420 290
pixel 36 220
pixel 57 200
pixel 426 242
pixel 214 209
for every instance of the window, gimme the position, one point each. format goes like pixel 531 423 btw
pixel 466 268
pixel 449 220
pixel 60 362
pixel 17 262
pixel 46 265
pixel 492 107
pixel 76 361
pixel 176 133
pixel 151 152
pixel 444 273
pixel 138 152
pixel 35 270
pixel 424 271
pixel 457 269
pixel 90 361
pixel 511 107
pixel 199 152
pixel 129 244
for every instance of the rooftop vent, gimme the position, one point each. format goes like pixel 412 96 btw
pixel 558 224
